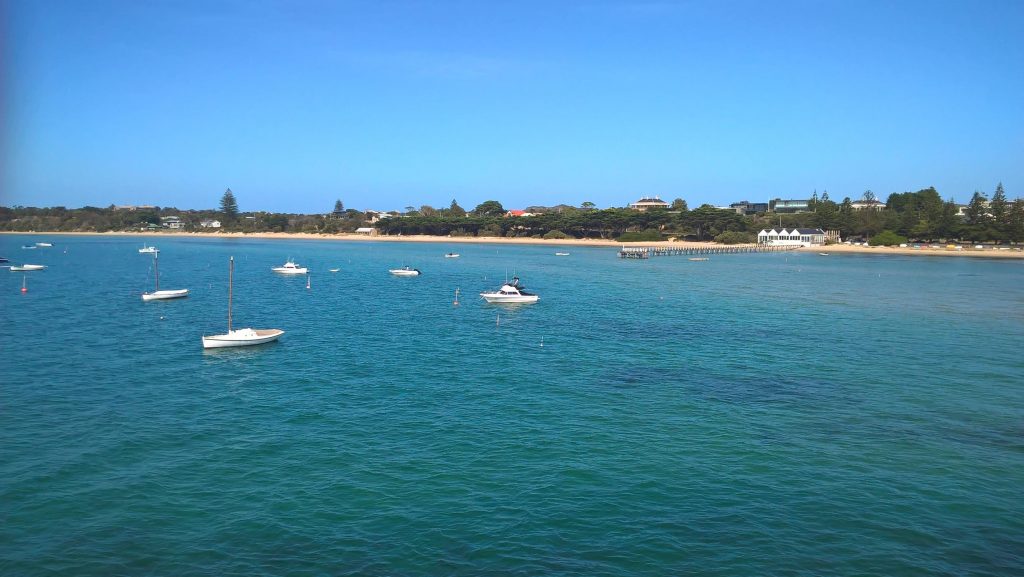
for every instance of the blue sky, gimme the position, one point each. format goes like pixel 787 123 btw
pixel 389 104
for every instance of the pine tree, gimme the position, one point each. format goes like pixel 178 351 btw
pixel 229 206
pixel 999 207
pixel 456 210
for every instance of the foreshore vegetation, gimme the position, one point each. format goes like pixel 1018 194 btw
pixel 915 216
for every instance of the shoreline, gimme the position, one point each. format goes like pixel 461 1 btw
pixel 926 250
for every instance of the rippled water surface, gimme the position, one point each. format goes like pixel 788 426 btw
pixel 788 414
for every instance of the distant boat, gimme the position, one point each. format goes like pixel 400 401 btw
pixel 158 294
pixel 561 254
pixel 405 271
pixel 241 337
pixel 4 259
pixel 29 246
pixel 510 293
pixel 27 267
pixel 823 253
pixel 44 244
pixel 148 249
pixel 451 255
pixel 699 258
pixel 333 269
pixel 290 268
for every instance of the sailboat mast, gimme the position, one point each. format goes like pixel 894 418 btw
pixel 231 275
pixel 156 269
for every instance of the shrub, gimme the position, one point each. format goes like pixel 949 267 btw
pixel 556 234
pixel 886 238
pixel 645 236
pixel 735 237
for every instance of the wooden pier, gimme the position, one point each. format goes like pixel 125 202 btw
pixel 646 252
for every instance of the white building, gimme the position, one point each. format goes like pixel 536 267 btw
pixel 791 237
pixel 648 203
pixel 172 222
pixel 210 224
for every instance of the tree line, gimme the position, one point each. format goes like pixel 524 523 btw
pixel 921 215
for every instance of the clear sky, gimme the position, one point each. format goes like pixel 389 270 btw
pixel 294 104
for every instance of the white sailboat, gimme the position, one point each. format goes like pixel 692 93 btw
pixel 240 337
pixel 158 294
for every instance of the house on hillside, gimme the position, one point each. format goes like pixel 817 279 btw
pixel 867 205
pixel 171 222
pixel 208 223
pixel 648 203
pixel 789 205
pixel 745 207
pixel 791 237
pixel 513 213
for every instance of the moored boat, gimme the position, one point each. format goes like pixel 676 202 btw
pixel 148 249
pixel 158 294
pixel 405 271
pixel 27 267
pixel 44 244
pixel 510 293
pixel 290 268
pixel 240 337
pixel 451 255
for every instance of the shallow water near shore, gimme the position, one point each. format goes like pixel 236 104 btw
pixel 750 414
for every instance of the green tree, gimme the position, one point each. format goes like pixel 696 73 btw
pixel 456 210
pixel 229 206
pixel 887 238
pixel 587 205
pixel 679 204
pixel 999 208
pixel 868 195
pixel 489 208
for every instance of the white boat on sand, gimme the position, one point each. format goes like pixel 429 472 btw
pixel 157 294
pixel 148 249
pixel 27 267
pixel 405 271
pixel 510 293
pixel 240 337
pixel 290 268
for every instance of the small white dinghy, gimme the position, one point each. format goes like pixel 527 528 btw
pixel 241 337
pixel 405 271
pixel 451 255
pixel 27 267
pixel 157 294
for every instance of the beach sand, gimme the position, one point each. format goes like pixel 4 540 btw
pixel 836 249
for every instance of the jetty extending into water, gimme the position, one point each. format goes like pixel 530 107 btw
pixel 645 252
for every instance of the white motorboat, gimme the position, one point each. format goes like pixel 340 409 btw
pixel 27 267
pixel 510 292
pixel 561 254
pixel 148 249
pixel 451 255
pixel 160 295
pixel 334 269
pixel 241 337
pixel 405 271
pixel 44 244
pixel 290 268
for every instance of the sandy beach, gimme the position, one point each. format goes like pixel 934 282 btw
pixel 965 250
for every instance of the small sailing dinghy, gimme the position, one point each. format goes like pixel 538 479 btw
pixel 158 294
pixel 240 337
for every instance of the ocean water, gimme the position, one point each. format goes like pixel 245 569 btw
pixel 777 414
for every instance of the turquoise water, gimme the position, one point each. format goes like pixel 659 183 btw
pixel 786 414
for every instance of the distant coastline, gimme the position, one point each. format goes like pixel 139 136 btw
pixel 926 250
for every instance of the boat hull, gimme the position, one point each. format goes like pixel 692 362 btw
pixel 281 270
pixel 27 267
pixel 405 272
pixel 165 295
pixel 241 338
pixel 496 298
